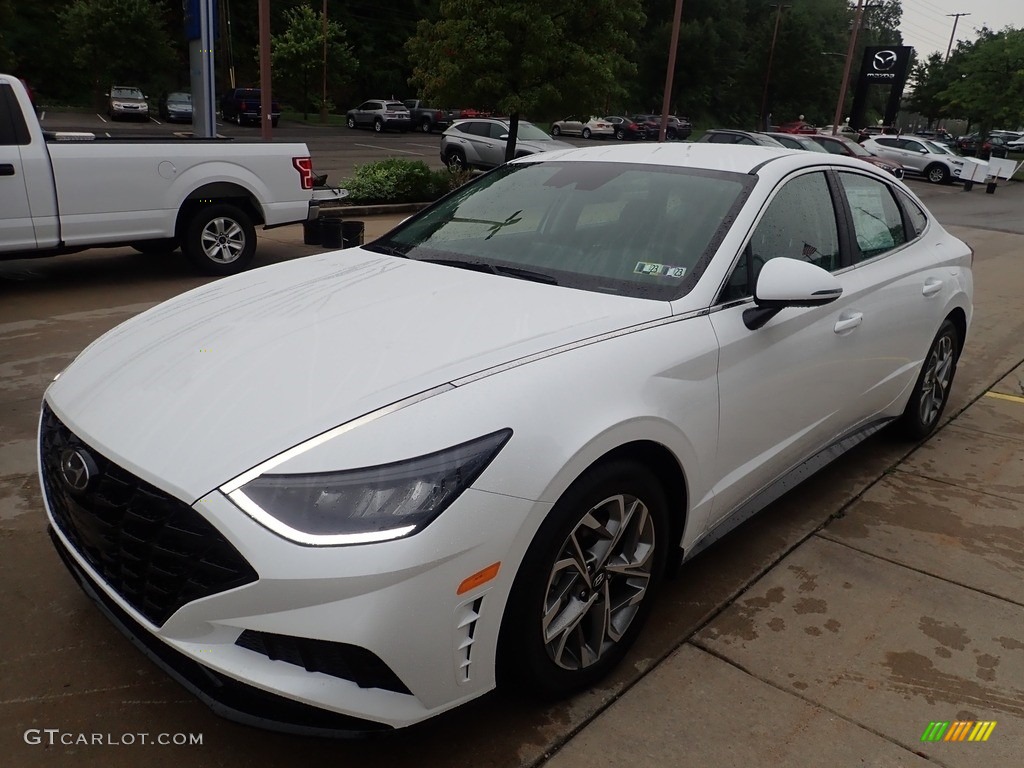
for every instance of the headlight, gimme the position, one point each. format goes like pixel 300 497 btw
pixel 359 506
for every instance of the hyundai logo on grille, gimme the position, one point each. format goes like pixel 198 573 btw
pixel 77 468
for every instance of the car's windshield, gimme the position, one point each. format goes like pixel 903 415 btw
pixel 126 93
pixel 180 97
pixel 855 148
pixel 936 148
pixel 530 132
pixel 636 230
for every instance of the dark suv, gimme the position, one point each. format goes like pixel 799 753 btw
pixel 242 106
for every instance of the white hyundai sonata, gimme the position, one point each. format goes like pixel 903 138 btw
pixel 351 491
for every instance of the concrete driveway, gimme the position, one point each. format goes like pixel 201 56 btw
pixel 880 596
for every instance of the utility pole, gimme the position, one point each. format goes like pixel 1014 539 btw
pixel 956 19
pixel 673 45
pixel 323 96
pixel 266 99
pixel 771 57
pixel 848 66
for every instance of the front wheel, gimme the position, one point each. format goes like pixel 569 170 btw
pixel 219 239
pixel 931 392
pixel 455 160
pixel 378 126
pixel 587 582
pixel 556 131
pixel 937 174
pixel 620 134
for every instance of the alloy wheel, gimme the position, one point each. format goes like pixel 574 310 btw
pixel 937 378
pixel 223 240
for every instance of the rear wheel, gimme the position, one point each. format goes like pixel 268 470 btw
pixel 620 134
pixel 220 239
pixel 937 173
pixel 931 392
pixel 587 582
pixel 555 130
pixel 455 160
pixel 586 133
pixel 351 122
pixel 426 125
pixel 378 125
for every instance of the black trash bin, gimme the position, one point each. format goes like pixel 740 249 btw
pixel 352 233
pixel 311 234
pixel 330 232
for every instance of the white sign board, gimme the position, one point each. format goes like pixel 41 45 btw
pixel 974 170
pixel 1002 169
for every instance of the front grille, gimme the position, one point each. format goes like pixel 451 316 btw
pixel 154 550
pixel 349 662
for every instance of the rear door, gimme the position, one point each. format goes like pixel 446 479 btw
pixel 17 232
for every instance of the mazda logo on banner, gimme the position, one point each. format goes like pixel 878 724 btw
pixel 884 60
pixel 886 65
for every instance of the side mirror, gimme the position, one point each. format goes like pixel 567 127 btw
pixel 503 137
pixel 789 283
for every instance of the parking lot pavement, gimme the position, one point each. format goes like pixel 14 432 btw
pixel 881 595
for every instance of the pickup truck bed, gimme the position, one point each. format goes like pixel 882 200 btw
pixel 61 193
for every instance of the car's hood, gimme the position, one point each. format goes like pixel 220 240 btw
pixel 542 145
pixel 203 387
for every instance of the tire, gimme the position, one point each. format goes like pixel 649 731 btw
pixel 937 173
pixel 455 160
pixel 153 247
pixel 586 133
pixel 427 125
pixel 219 239
pixel 620 134
pixel 597 607
pixel 378 126
pixel 931 391
pixel 351 122
pixel 556 131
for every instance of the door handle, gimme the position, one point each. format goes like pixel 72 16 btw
pixel 931 287
pixel 847 322
pixel 6 169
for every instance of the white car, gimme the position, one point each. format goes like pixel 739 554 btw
pixel 936 162
pixel 355 490
pixel 595 127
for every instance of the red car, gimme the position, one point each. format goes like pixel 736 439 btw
pixel 798 126
pixel 840 145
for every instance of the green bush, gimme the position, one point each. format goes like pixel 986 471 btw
pixel 397 180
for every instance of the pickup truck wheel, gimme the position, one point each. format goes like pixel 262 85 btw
pixel 220 239
pixel 153 247
pixel 427 125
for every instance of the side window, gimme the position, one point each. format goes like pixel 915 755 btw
pixel 496 131
pixel 918 219
pixel 891 143
pixel 13 129
pixel 877 222
pixel 800 223
pixel 721 138
pixel 834 147
pixel 475 128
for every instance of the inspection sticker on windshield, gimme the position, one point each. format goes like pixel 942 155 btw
pixel 660 270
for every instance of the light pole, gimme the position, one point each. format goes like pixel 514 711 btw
pixel 848 66
pixel 956 19
pixel 673 45
pixel 323 96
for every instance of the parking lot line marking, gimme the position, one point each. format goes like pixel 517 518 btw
pixel 1001 396
pixel 386 149
pixel 100 117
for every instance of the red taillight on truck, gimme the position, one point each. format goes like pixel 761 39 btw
pixel 304 165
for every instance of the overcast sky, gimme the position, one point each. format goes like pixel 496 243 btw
pixel 927 27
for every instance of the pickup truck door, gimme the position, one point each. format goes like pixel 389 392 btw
pixel 17 232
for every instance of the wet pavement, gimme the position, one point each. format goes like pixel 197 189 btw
pixel 879 596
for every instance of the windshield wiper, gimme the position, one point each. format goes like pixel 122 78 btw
pixel 496 269
pixel 389 250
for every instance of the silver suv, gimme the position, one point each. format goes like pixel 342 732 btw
pixel 480 143
pixel 127 101
pixel 380 114
pixel 934 161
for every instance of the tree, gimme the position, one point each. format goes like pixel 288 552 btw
pixel 297 56
pixel 987 83
pixel 930 78
pixel 6 22
pixel 519 56
pixel 118 41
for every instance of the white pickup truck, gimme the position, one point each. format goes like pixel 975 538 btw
pixel 61 193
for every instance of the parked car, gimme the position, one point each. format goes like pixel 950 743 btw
pixel 678 128
pixel 932 160
pixel 480 143
pixel 244 106
pixel 992 146
pixel 427 119
pixel 840 145
pixel 651 125
pixel 625 128
pixel 797 141
pixel 797 126
pixel 176 107
pixel 731 136
pixel 594 127
pixel 127 102
pixel 380 114
pixel 466 454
